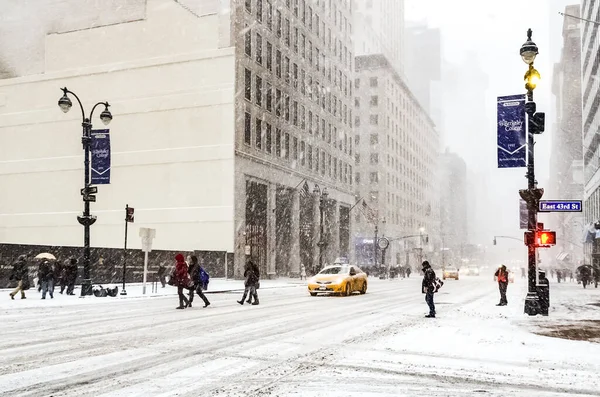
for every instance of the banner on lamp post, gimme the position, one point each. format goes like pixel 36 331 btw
pixel 100 150
pixel 512 135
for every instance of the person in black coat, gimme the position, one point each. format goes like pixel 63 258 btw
pixel 428 287
pixel 71 276
pixel 162 273
pixel 20 273
pixel 194 272
pixel 46 279
pixel 252 275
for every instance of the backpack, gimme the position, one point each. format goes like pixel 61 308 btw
pixel 437 284
pixel 204 278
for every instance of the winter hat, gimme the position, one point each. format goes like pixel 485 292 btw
pixel 426 264
pixel 179 258
pixel 194 259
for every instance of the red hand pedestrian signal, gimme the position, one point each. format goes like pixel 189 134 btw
pixel 546 238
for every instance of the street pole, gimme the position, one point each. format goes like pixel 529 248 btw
pixel 124 292
pixel 86 220
pixel 375 247
pixel 321 242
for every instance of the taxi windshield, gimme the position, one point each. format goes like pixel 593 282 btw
pixel 335 270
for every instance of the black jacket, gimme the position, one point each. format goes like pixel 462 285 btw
pixel 194 272
pixel 20 271
pixel 428 280
pixel 71 273
pixel 45 272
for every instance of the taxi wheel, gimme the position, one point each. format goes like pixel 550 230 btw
pixel 348 290
pixel 363 290
pixel 313 294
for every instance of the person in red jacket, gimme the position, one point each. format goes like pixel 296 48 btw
pixel 501 276
pixel 182 280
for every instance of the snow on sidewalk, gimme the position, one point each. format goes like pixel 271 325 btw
pixel 134 291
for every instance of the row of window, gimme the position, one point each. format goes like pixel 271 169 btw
pixel 283 145
pixel 294 112
pixel 269 55
pixel 274 19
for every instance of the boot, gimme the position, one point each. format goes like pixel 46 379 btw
pixel 206 304
pixel 12 296
pixel 240 302
pixel 255 303
pixel 180 307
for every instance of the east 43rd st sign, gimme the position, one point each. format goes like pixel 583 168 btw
pixel 560 206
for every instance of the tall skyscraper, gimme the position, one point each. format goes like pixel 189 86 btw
pixel 379 29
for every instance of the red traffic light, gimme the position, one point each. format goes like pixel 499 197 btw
pixel 545 237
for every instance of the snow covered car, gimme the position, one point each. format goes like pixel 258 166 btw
pixel 341 279
pixel 450 272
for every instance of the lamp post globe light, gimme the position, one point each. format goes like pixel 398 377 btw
pixel 86 220
pixel 322 194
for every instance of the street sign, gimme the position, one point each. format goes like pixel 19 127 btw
pixel 89 198
pixel 89 190
pixel 560 206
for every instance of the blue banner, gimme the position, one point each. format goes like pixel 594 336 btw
pixel 100 157
pixel 512 136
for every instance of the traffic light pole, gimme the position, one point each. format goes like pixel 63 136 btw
pixel 532 303
pixel 123 291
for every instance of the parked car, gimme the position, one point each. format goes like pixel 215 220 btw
pixel 343 279
pixel 450 272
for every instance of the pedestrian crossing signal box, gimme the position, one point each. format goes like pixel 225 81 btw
pixel 542 239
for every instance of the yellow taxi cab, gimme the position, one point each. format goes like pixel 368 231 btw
pixel 341 279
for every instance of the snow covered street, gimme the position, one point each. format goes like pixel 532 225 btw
pixel 378 344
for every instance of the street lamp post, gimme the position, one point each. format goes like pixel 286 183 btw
pixel 86 220
pixel 532 195
pixel 322 194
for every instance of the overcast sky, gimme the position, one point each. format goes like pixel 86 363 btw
pixel 496 30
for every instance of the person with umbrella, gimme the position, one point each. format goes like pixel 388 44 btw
pixel 46 278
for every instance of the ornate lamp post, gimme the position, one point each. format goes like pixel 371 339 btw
pixel 86 220
pixel 322 194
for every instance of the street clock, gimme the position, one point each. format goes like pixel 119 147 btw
pixel 383 243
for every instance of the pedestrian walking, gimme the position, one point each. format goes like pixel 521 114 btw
pixel 194 270
pixel 20 273
pixel 252 275
pixel 501 276
pixel 302 272
pixel 181 279
pixel 46 277
pixel 408 271
pixel 162 273
pixel 70 276
pixel 428 287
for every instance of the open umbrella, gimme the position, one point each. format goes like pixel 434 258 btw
pixel 46 255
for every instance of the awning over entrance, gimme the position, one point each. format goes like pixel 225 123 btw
pixel 562 256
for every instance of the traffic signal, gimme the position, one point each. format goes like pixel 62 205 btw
pixel 545 238
pixel 129 214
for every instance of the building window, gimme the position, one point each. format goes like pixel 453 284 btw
pixel 258 91
pixel 374 177
pixel 374 158
pixel 295 113
pixel 357 180
pixel 295 149
pixel 287 108
pixel 302 153
pixel 373 119
pixel 317 158
pixel 278 24
pixel 259 11
pixel 278 145
pixel 357 102
pixel 296 38
pixel 259 49
pixel 357 121
pixel 269 15
pixel 258 132
pixel 372 82
pixel 302 117
pixel 302 81
pixel 286 32
pixel 269 91
pixel 295 75
pixel 269 56
pixel 357 139
pixel 310 157
pixel 286 69
pixel 278 63
pixel 268 138
pixel 287 146
pixel 248 42
pixel 278 103
pixel 248 5
pixel 247 129
pixel 374 101
pixel 247 84
pixel 322 162
pixel 357 83
pixel 374 139
pixel 357 158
